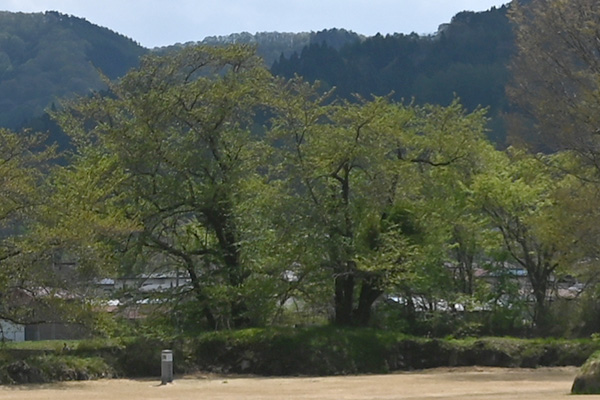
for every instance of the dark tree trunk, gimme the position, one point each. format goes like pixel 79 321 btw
pixel 369 292
pixel 538 277
pixel 225 231
pixel 540 312
pixel 200 296
pixel 344 299
pixel 346 314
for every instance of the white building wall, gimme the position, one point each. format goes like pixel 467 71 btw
pixel 11 331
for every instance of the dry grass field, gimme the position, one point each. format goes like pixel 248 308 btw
pixel 446 383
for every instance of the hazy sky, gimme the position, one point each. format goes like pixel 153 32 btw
pixel 164 22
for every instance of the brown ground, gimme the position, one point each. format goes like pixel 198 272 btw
pixel 458 383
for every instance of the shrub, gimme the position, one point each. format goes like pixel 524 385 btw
pixel 588 379
pixel 51 367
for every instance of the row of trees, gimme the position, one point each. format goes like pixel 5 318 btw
pixel 264 190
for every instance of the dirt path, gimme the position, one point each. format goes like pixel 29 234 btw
pixel 460 383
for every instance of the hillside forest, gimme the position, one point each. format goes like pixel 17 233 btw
pixel 455 198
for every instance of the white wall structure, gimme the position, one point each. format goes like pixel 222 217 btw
pixel 12 332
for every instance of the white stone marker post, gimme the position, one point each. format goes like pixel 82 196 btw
pixel 166 367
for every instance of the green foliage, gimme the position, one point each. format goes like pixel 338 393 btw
pixel 588 379
pixel 351 198
pixel 363 175
pixel 166 172
pixel 23 163
pixel 555 86
pixel 280 204
pixel 577 317
pixel 285 205
pixel 56 367
pixel 51 368
pixel 522 195
pixel 318 351
pixel 286 351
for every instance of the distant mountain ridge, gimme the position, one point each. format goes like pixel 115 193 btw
pixel 271 46
pixel 467 58
pixel 49 56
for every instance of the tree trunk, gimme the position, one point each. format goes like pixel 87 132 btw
pixel 199 294
pixel 540 313
pixel 539 285
pixel 344 298
pixel 225 231
pixel 369 292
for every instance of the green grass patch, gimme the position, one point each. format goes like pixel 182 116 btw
pixel 40 345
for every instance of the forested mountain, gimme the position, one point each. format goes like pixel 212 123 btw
pixel 467 58
pixel 46 56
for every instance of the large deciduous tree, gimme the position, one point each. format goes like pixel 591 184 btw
pixel 556 91
pixel 556 74
pixel 23 269
pixel 529 201
pixel 167 163
pixel 358 172
pixel 19 176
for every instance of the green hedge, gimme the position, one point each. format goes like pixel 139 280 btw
pixel 50 368
pixel 328 351
pixel 285 351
